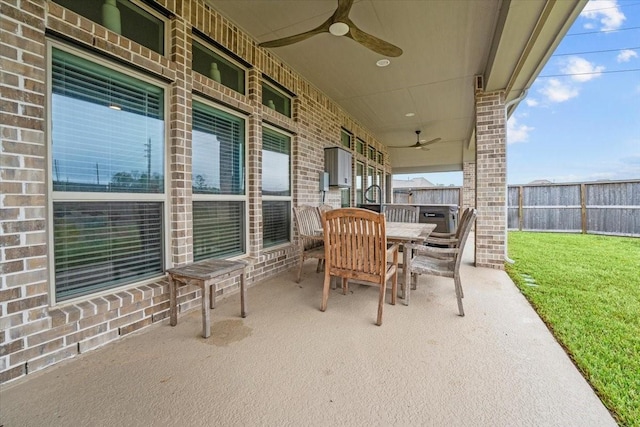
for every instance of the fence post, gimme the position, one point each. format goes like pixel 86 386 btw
pixel 520 211
pixel 583 207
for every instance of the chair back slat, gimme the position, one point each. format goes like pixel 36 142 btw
pixel 402 213
pixel 307 219
pixel 355 243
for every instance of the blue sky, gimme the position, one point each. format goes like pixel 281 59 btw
pixel 580 120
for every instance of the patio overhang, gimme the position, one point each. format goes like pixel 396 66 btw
pixel 446 46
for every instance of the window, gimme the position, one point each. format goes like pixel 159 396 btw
pixel 123 17
pixel 107 174
pixel 372 153
pixel 359 183
pixel 345 197
pixel 360 146
pixel 219 201
pixel 276 187
pixel 345 139
pixel 276 99
pixel 372 195
pixel 380 158
pixel 217 67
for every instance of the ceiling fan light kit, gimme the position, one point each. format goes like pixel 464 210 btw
pixel 338 28
pixel 339 24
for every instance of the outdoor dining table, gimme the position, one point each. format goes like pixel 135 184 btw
pixel 404 233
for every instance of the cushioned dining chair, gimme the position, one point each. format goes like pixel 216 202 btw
pixel 355 244
pixel 402 213
pixel 310 242
pixel 444 262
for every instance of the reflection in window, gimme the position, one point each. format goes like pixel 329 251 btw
pixel 276 187
pixel 218 151
pixel 219 200
pixel 218 68
pixel 107 139
pixel 123 17
pixel 275 99
pixel 107 129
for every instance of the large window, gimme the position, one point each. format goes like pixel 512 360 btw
pixel 219 198
pixel 123 17
pixel 276 187
pixel 107 174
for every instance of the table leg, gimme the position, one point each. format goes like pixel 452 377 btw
pixel 243 294
pixel 206 316
pixel 406 286
pixel 173 307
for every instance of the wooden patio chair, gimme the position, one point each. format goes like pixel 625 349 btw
pixel 402 213
pixel 324 208
pixel 355 244
pixel 310 243
pixel 444 262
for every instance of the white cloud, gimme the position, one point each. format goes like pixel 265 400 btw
pixel 625 55
pixel 605 12
pixel 557 91
pixel 517 132
pixel 581 70
pixel 531 102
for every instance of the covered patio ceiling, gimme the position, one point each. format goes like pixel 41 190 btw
pixel 445 44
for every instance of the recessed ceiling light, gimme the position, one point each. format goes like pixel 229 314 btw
pixel 410 114
pixel 383 62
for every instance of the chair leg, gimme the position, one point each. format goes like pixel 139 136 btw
pixel 345 285
pixel 394 288
pixel 381 298
pixel 458 287
pixel 300 269
pixel 325 291
pixel 319 267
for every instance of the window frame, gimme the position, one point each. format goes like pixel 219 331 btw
pixel 199 197
pixel 345 133
pixel 271 198
pixel 75 196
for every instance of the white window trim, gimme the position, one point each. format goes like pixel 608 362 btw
pixel 230 197
pixel 62 196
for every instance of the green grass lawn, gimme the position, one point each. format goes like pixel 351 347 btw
pixel 587 290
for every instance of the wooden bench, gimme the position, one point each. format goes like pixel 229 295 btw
pixel 205 274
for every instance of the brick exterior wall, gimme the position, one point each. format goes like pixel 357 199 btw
pixel 468 185
pixel 34 332
pixel 491 180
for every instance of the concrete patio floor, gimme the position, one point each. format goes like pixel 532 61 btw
pixel 287 363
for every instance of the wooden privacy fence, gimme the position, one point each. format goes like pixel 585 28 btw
pixel 611 208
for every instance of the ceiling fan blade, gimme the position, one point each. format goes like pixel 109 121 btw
pixel 324 27
pixel 342 12
pixel 404 146
pixel 371 42
pixel 432 141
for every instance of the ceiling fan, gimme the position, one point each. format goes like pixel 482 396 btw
pixel 339 24
pixel 418 144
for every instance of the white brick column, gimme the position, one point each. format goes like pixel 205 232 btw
pixel 491 179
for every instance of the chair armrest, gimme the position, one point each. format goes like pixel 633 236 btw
pixel 393 250
pixel 435 252
pixel 441 235
pixel 441 240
